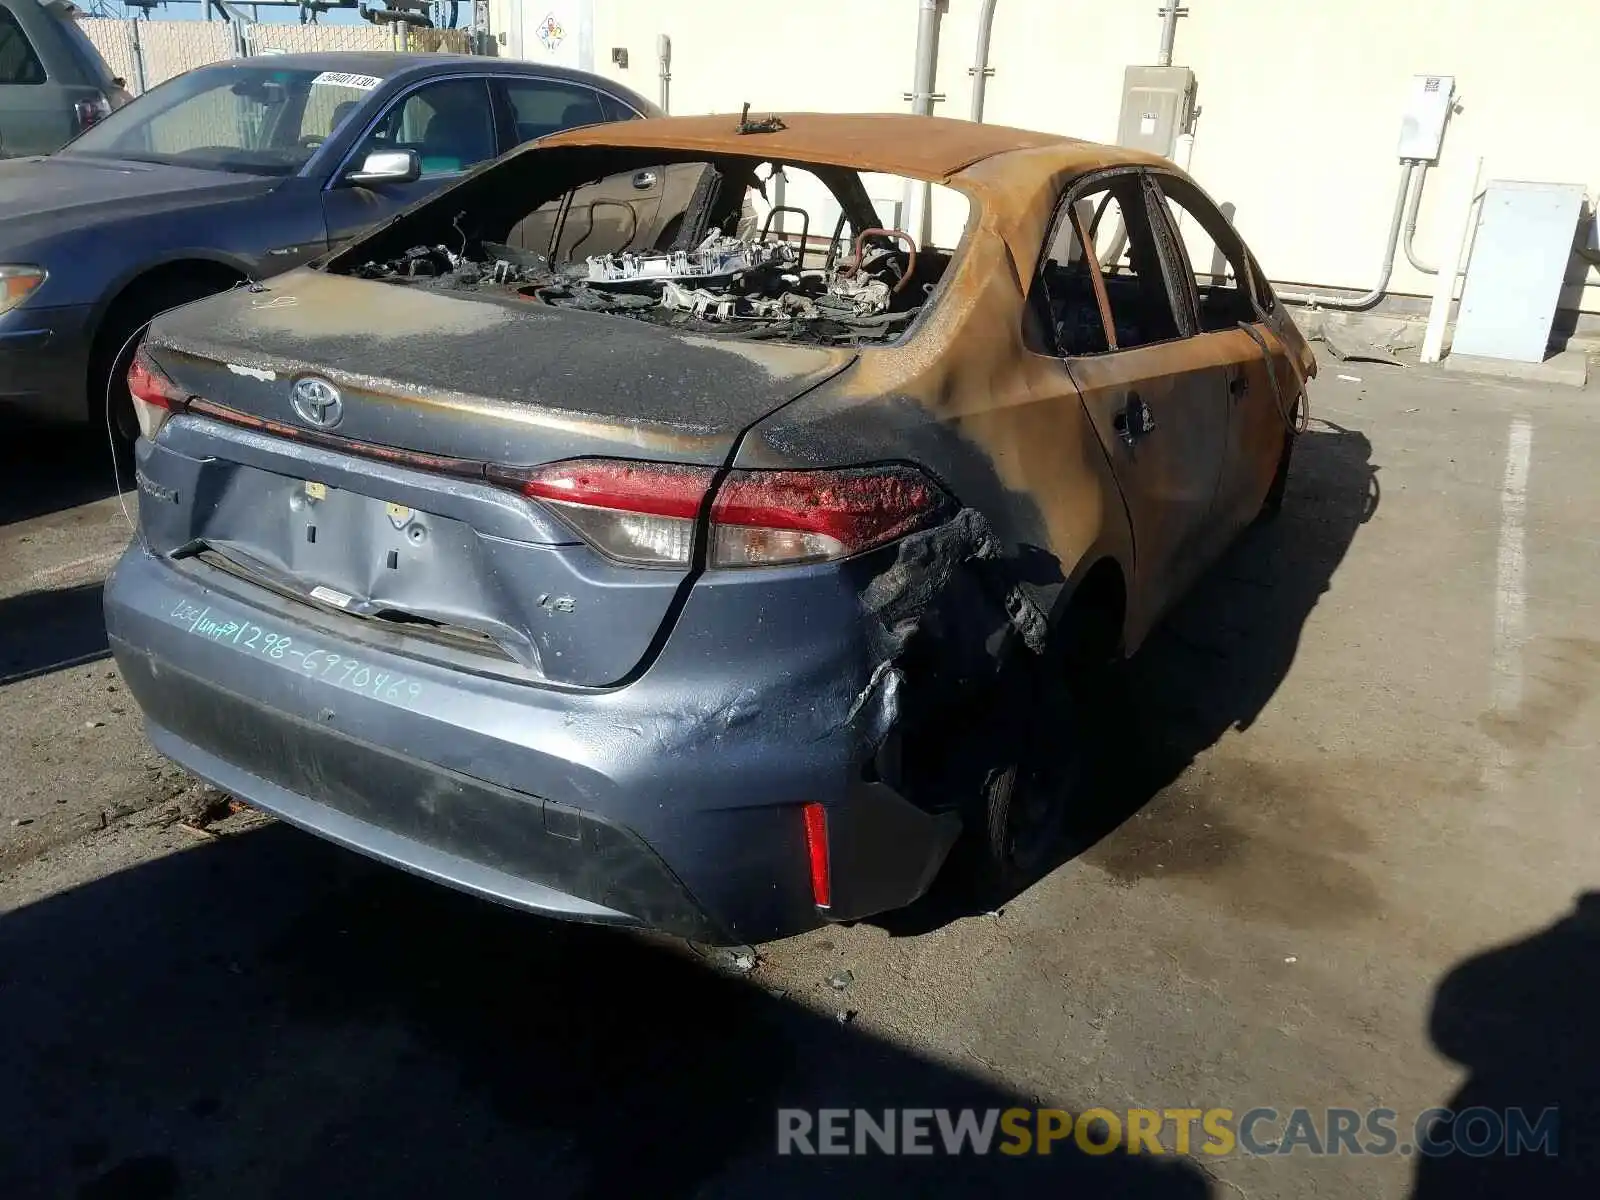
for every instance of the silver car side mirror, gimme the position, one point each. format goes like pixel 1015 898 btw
pixel 387 166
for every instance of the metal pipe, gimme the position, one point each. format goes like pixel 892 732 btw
pixel 1411 223
pixel 1411 220
pixel 919 196
pixel 980 59
pixel 1169 32
pixel 664 66
pixel 927 57
pixel 861 250
pixel 138 63
pixel 1352 303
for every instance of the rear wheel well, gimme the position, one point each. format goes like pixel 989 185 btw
pixel 140 299
pixel 132 305
pixel 1090 628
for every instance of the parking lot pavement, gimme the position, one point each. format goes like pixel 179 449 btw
pixel 1337 854
pixel 75 760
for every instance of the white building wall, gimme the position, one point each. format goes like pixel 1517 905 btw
pixel 1301 101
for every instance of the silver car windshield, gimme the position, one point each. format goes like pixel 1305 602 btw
pixel 230 117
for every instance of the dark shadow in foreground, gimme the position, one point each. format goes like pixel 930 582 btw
pixel 45 468
pixel 1210 667
pixel 270 1016
pixel 49 631
pixel 1521 1019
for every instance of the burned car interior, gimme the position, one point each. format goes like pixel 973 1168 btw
pixel 741 262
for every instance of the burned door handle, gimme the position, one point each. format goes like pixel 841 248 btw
pixel 1134 420
pixel 644 180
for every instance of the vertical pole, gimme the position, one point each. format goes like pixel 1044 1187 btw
pixel 664 70
pixel 980 59
pixel 1462 197
pixel 138 61
pixel 919 196
pixel 1169 32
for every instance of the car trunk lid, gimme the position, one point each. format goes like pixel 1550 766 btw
pixel 388 513
pixel 505 381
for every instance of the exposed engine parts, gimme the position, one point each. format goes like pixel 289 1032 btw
pixel 749 288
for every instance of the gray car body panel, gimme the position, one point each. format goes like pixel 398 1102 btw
pixel 474 558
pixel 705 758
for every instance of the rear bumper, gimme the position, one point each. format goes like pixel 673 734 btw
pixel 672 803
pixel 44 361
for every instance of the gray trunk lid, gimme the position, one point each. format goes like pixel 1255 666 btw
pixel 442 552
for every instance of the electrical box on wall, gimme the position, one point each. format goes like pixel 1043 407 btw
pixel 1427 110
pixel 1157 105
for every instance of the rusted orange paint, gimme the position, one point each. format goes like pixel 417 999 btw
pixel 1045 424
pixel 1159 510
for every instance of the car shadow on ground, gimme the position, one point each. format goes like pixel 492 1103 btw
pixel 1211 666
pixel 45 468
pixel 267 1015
pixel 1520 1019
pixel 49 631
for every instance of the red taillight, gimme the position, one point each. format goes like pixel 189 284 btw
pixel 149 383
pixel 155 397
pixel 816 818
pixel 765 517
pixel 91 112
pixel 645 513
pixel 656 489
pixel 640 513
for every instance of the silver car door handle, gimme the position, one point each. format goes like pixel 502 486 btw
pixel 644 180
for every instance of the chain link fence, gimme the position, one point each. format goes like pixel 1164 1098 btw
pixel 145 53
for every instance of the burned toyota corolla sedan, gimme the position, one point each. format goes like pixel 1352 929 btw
pixel 709 583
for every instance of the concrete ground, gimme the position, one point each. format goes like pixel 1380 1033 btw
pixel 1339 853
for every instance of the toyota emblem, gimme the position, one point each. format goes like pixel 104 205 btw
pixel 317 402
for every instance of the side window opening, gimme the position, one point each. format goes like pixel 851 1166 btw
pixel 1124 267
pixel 1222 278
pixel 1265 300
pixel 616 110
pixel 449 124
pixel 542 106
pixel 18 61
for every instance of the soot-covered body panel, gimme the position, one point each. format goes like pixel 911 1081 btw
pixel 479 379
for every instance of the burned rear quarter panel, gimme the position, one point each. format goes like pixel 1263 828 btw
pixel 965 397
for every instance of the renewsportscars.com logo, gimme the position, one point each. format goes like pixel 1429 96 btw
pixel 1434 1133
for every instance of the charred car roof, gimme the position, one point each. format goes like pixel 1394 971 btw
pixel 930 148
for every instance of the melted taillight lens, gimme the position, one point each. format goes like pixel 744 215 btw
pixel 155 397
pixel 760 518
pixel 645 513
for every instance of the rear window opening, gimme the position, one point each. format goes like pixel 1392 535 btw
pixel 732 247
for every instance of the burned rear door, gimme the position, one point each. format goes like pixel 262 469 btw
pixel 1230 335
pixel 606 216
pixel 1124 341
